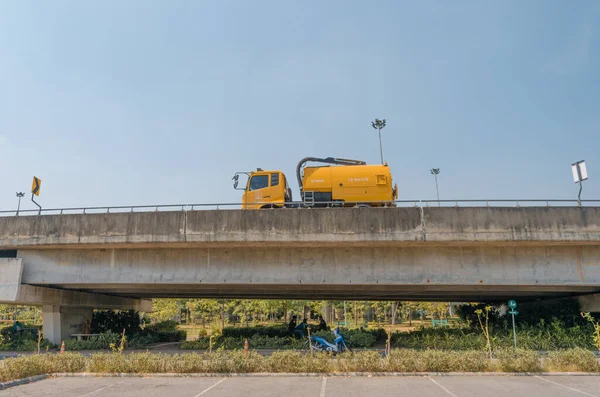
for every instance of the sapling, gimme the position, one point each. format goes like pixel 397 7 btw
pixel 485 329
pixel 596 326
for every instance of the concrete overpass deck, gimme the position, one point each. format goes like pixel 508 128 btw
pixel 338 253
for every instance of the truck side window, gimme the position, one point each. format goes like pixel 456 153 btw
pixel 259 182
pixel 274 180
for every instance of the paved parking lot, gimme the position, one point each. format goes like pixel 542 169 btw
pixel 434 386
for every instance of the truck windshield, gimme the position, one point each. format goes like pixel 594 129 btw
pixel 259 182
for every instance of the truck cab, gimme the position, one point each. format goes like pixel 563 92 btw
pixel 264 189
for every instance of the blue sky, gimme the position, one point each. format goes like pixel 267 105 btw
pixel 146 102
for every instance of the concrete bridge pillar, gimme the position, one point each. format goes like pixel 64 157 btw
pixel 590 303
pixel 60 322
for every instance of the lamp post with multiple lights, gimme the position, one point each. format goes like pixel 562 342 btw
pixel 20 195
pixel 435 172
pixel 379 125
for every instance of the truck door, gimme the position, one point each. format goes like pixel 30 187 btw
pixel 258 189
pixel 265 187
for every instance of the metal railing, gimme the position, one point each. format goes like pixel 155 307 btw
pixel 297 204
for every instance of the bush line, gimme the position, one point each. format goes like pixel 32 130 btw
pixel 408 361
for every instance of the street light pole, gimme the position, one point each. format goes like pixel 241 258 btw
pixel 379 125
pixel 435 172
pixel 20 195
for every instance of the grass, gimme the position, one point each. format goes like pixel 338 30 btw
pixel 571 360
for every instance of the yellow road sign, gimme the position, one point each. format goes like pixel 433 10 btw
pixel 35 185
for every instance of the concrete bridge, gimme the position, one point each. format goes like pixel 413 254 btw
pixel 73 263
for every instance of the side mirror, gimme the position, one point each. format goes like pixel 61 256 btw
pixel 235 184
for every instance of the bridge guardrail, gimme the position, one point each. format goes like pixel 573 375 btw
pixel 234 206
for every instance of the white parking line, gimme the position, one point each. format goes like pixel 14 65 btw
pixel 323 386
pixel 441 387
pixel 102 388
pixel 214 385
pixel 567 387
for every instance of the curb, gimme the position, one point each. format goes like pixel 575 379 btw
pixel 23 381
pixel 311 374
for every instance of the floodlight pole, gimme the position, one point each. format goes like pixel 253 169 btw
pixel 378 125
pixel 20 195
pixel 435 172
pixel 579 196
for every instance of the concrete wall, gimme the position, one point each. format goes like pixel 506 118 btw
pixel 349 226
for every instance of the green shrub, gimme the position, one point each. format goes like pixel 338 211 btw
pixel 101 341
pixel 355 338
pixel 547 337
pixel 25 345
pixel 198 344
pixel 437 361
pixel 294 362
pixel 168 336
pixel 254 342
pixel 360 339
pixel 24 341
pixel 520 360
pixel 572 360
pixel 164 331
pixel 140 341
pixel 278 337
pixel 116 321
pixel 535 313
pixel 38 364
pixel 247 332
pixel 246 362
pixel 380 334
pixel 366 361
pixel 168 325
pixel 10 336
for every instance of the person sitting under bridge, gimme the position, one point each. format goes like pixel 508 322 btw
pixel 292 325
pixel 322 325
pixel 301 328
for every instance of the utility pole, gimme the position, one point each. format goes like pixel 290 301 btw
pixel 379 125
pixel 20 195
pixel 435 172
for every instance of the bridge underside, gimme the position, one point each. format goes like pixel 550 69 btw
pixel 352 273
pixel 336 292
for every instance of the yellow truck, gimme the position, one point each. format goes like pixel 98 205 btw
pixel 339 183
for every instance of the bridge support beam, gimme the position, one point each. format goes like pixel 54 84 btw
pixel 63 311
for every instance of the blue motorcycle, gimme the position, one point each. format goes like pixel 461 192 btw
pixel 320 344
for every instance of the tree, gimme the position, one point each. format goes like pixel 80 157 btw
pixel 165 309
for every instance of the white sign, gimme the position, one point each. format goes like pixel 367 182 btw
pixel 579 171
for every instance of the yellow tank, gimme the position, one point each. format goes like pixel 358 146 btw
pixel 351 184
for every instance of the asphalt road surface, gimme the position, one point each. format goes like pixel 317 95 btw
pixel 414 386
